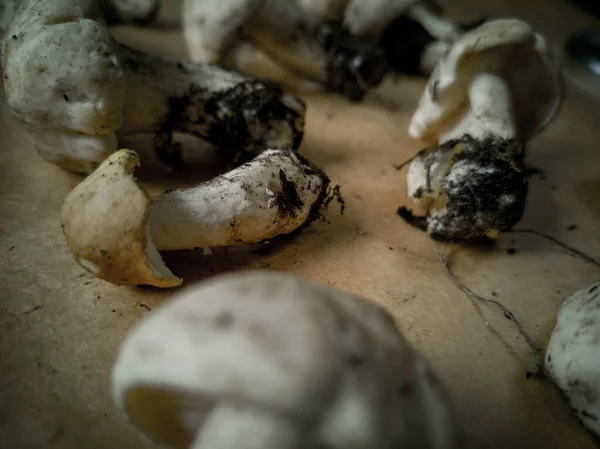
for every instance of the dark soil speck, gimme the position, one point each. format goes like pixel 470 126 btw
pixel 288 200
pixel 224 320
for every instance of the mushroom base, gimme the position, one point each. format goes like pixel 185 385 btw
pixel 354 63
pixel 242 121
pixel 476 193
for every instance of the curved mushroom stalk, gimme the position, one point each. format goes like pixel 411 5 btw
pixel 573 354
pixel 299 42
pixel 268 360
pixel 68 81
pixel 496 89
pixel 115 230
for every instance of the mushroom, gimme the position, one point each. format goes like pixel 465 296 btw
pixel 496 89
pixel 75 90
pixel 266 360
pixel 573 354
pixel 321 51
pixel 115 230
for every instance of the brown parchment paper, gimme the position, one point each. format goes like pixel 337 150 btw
pixel 60 328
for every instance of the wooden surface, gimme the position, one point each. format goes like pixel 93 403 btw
pixel 60 328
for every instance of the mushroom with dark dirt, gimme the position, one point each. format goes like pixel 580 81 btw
pixel 227 32
pixel 496 89
pixel 75 90
pixel 114 229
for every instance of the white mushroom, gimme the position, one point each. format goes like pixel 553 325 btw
pixel 573 354
pixel 500 79
pixel 342 44
pixel 114 229
pixel 265 360
pixel 74 88
pixel 497 87
pixel 319 50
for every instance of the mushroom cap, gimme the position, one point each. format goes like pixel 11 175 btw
pixel 105 219
pixel 509 48
pixel 573 354
pixel 330 362
pixel 62 68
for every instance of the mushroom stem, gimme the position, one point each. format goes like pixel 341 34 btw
pixel 109 220
pixel 273 194
pixel 242 427
pixel 490 112
pixel 154 85
pixel 226 108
